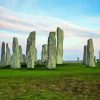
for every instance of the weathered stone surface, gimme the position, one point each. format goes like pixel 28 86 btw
pixel 31 41
pixel 95 60
pixel 8 55
pixel 60 38
pixel 30 50
pixel 3 56
pixel 35 60
pixel 30 57
pixel 20 54
pixel 44 53
pixel 99 56
pixel 15 59
pixel 85 55
pixel 78 59
pixel 90 53
pixel 51 62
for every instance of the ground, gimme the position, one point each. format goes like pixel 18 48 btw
pixel 72 81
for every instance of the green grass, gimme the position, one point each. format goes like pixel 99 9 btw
pixel 72 81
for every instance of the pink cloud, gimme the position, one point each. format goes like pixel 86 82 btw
pixel 12 21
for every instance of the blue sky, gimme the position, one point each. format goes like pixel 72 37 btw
pixel 75 11
pixel 80 20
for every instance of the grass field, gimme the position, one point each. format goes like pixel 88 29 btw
pixel 72 81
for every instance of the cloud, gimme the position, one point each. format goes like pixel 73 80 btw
pixel 16 22
pixel 91 19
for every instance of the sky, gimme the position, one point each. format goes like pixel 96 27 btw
pixel 79 19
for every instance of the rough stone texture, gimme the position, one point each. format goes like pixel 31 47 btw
pixel 3 56
pixel 85 55
pixel 20 54
pixel 30 57
pixel 31 41
pixel 51 62
pixel 95 60
pixel 60 38
pixel 78 59
pixel 15 59
pixel 44 53
pixel 90 53
pixel 30 50
pixel 99 56
pixel 35 60
pixel 8 55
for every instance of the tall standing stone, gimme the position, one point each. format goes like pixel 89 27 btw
pixel 60 38
pixel 44 53
pixel 30 57
pixel 3 56
pixel 51 62
pixel 15 59
pixel 90 53
pixel 78 59
pixel 31 41
pixel 30 50
pixel 95 60
pixel 8 55
pixel 35 60
pixel 20 54
pixel 85 55
pixel 99 55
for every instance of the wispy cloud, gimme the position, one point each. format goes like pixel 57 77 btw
pixel 12 21
pixel 91 19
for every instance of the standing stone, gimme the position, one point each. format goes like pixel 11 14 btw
pixel 35 55
pixel 31 41
pixel 60 38
pixel 90 53
pixel 95 60
pixel 85 55
pixel 3 56
pixel 8 55
pixel 51 62
pixel 15 59
pixel 30 57
pixel 30 50
pixel 20 53
pixel 99 55
pixel 44 53
pixel 78 59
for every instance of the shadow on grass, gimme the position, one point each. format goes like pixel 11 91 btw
pixel 6 67
pixel 42 66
